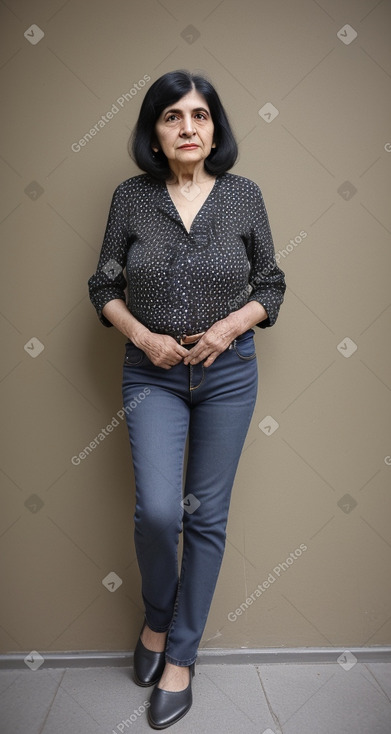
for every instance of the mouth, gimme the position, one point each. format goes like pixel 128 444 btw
pixel 188 146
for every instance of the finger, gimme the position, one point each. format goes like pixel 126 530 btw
pixel 194 357
pixel 203 351
pixel 209 361
pixel 182 352
pixel 198 351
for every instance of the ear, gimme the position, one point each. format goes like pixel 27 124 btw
pixel 154 144
pixel 214 145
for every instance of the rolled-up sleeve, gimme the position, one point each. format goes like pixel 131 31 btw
pixel 266 278
pixel 108 281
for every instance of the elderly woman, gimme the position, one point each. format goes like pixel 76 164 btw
pixel 195 243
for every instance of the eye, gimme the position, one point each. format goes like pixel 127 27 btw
pixel 200 116
pixel 171 117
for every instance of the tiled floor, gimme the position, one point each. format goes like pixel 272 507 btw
pixel 228 699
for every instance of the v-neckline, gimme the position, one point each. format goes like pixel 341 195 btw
pixel 199 210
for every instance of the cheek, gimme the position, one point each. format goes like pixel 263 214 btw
pixel 208 135
pixel 166 141
pixel 208 139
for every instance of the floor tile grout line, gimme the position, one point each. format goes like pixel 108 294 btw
pixel 52 702
pixel 278 726
pixel 276 721
pixel 230 699
pixel 374 684
pixel 308 699
pixel 11 684
pixel 65 691
pixel 368 667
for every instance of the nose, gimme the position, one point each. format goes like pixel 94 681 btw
pixel 187 128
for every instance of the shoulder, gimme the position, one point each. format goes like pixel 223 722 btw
pixel 246 186
pixel 142 183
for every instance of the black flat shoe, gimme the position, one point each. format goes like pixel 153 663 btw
pixel 168 707
pixel 148 665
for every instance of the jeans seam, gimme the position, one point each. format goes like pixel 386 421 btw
pixel 243 357
pixel 176 603
pixel 201 381
pixel 127 363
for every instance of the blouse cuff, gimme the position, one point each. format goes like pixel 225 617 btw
pixel 271 310
pixel 100 302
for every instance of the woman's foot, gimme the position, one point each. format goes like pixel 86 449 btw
pixel 174 678
pixel 155 641
pixel 171 703
pixel 149 657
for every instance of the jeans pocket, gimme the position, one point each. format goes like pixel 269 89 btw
pixel 133 355
pixel 244 346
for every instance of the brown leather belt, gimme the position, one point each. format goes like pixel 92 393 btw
pixel 189 340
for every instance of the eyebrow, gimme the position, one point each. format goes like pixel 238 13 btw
pixel 196 109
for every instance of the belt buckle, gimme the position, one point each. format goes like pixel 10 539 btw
pixel 194 338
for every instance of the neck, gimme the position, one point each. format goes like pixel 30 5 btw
pixel 196 173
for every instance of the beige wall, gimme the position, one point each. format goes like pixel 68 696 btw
pixel 321 479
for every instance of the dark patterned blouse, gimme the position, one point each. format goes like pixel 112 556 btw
pixel 178 281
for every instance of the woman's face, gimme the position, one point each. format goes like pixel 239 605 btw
pixel 184 131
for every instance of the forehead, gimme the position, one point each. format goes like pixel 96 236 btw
pixel 191 100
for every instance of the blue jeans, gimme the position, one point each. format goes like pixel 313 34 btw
pixel 212 409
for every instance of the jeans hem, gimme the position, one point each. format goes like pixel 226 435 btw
pixel 154 629
pixel 180 663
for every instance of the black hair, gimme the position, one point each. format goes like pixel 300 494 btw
pixel 164 92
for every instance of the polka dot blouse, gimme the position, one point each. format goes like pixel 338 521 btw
pixel 181 282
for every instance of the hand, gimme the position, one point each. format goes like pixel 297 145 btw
pixel 218 338
pixel 162 350
pixel 215 340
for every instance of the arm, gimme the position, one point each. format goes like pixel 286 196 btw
pixel 266 278
pixel 107 287
pixel 161 349
pixel 268 288
pixel 222 333
pixel 108 281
